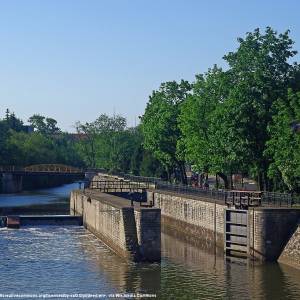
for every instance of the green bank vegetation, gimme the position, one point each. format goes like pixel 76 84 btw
pixel 235 120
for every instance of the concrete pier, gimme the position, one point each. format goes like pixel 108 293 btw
pixel 133 232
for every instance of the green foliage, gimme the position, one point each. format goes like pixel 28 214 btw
pixel 44 125
pixel 160 123
pixel 284 144
pixel 233 121
pixel 108 143
pixel 47 145
pixel 260 72
pixel 27 149
pixel 12 122
pixel 101 141
pixel 224 123
pixel 196 118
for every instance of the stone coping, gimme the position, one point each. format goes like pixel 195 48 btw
pixel 112 200
pixel 189 196
pixel 220 202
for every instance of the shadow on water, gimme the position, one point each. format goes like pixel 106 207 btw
pixel 203 274
pixel 191 272
pixel 126 276
pixel 44 201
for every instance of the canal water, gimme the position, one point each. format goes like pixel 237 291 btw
pixel 70 260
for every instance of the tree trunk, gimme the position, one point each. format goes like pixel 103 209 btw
pixel 201 178
pixel 183 176
pixel 225 179
pixel 260 181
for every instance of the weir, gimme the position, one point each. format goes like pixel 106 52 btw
pixel 37 220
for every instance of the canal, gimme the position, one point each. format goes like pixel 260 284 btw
pixel 70 260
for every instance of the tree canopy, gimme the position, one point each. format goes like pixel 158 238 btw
pixel 237 119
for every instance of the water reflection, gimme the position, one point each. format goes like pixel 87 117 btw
pixel 127 276
pixel 46 201
pixel 201 274
pixel 71 260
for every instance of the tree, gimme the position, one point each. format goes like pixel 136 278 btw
pixel 107 143
pixel 160 125
pixel 12 122
pixel 196 121
pixel 260 72
pixel 28 149
pixel 86 145
pixel 284 145
pixel 44 125
pixel 3 143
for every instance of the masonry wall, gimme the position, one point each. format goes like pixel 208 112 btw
pixel 196 217
pixel 148 224
pixel 291 252
pixel 133 233
pixel 269 229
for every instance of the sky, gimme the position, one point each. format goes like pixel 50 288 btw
pixel 73 60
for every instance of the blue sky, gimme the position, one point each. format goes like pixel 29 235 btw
pixel 73 60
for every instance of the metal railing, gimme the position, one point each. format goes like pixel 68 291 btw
pixel 229 197
pixel 189 190
pixel 237 198
pixel 118 186
pixel 278 199
pixel 42 168
pixel 135 178
pixel 11 169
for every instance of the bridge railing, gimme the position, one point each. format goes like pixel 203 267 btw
pixel 11 169
pixel 42 168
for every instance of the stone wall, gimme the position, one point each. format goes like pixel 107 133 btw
pixel 197 218
pixel 148 224
pixel 131 232
pixel 270 230
pixel 194 216
pixel 291 252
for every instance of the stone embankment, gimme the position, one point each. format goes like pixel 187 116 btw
pixel 133 232
pixel 273 233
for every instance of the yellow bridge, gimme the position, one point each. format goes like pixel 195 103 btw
pixel 42 169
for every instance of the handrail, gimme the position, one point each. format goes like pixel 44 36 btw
pixel 42 168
